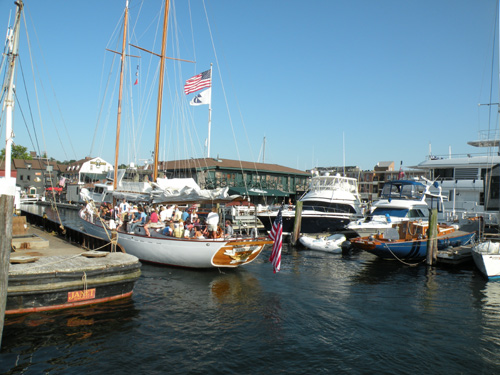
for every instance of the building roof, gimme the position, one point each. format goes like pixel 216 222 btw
pixel 74 168
pixel 384 165
pixel 38 164
pixel 211 163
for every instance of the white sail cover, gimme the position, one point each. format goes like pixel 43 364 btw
pixel 186 189
pixel 175 190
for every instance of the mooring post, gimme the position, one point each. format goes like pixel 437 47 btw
pixel 432 237
pixel 6 210
pixel 297 224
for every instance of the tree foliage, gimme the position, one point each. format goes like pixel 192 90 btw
pixel 18 152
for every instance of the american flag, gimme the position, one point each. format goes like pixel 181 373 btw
pixel 198 82
pixel 276 235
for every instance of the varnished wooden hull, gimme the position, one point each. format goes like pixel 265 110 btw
pixel 414 250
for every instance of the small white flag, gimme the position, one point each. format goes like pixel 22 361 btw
pixel 202 98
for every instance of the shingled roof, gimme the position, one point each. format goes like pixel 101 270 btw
pixel 211 163
pixel 38 164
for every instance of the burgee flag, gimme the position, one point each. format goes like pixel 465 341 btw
pixel 276 235
pixel 136 76
pixel 198 82
pixel 202 98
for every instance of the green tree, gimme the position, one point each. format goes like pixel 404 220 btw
pixel 18 152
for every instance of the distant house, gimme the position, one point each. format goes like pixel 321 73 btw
pixel 34 176
pixel 261 182
pixel 87 170
pixel 384 166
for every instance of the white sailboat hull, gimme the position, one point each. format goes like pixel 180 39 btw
pixel 184 252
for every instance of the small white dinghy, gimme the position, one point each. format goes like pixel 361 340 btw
pixel 486 256
pixel 330 244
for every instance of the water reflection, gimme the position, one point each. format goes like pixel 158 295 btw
pixel 51 333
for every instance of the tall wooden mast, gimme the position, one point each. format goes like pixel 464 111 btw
pixel 119 116
pixel 160 90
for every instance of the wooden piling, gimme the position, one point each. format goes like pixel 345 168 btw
pixel 297 224
pixel 432 237
pixel 6 210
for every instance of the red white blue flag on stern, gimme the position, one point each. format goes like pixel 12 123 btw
pixel 276 235
pixel 198 82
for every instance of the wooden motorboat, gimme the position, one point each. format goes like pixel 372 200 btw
pixel 408 240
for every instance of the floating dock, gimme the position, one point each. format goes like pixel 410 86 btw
pixel 455 255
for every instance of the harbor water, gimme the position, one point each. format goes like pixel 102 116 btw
pixel 322 314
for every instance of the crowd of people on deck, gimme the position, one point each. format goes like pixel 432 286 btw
pixel 169 220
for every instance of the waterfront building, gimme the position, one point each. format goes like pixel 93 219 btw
pixel 262 183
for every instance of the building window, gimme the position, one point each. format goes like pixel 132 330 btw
pixel 21 177
pixel 28 177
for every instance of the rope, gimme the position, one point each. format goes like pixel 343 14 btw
pixel 416 264
pixel 95 212
pixel 402 261
pixel 103 246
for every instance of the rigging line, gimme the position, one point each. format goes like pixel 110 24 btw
pixel 177 115
pixel 225 97
pixel 107 85
pixel 187 114
pixel 37 148
pixel 25 122
pixel 34 83
pixel 492 67
pixel 136 131
pixel 109 113
pixel 132 121
pixel 50 85
pixel 100 107
pixel 192 31
pixel 222 83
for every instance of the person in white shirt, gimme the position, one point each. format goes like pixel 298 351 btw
pixel 170 212
pixel 123 208
pixel 213 222
pixel 163 214
pixel 89 211
pixel 177 214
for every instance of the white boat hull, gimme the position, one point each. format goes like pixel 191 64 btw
pixel 486 256
pixel 180 252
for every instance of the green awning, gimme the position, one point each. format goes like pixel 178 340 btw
pixel 257 192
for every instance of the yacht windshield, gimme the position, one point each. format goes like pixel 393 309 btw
pixel 403 190
pixel 394 212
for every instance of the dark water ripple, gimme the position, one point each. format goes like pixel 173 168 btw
pixel 323 314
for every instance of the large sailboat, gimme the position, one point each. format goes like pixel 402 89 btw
pixel 232 251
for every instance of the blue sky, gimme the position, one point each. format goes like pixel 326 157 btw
pixel 371 80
